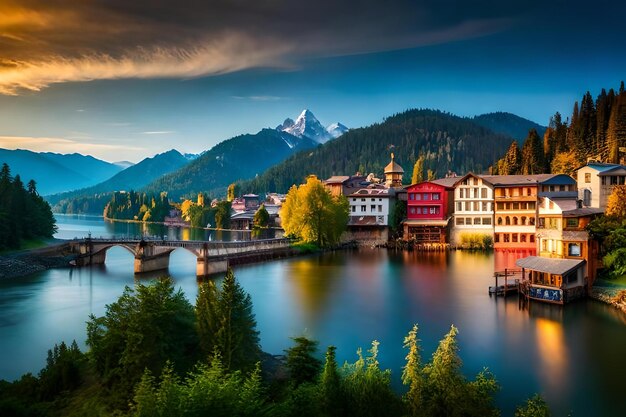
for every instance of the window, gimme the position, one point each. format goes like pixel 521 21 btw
pixel 477 220
pixel 354 209
pixel 507 220
pixel 435 196
pixel 515 206
pixel 515 221
pixel 622 179
pixel 506 237
pixel 499 221
pixel 434 210
pixel 419 210
pixel 380 208
pixel 461 192
pixel 613 179
pixel 460 221
pixel 373 207
pixel 373 199
pixel 418 196
pixel 522 237
pixel 531 238
pixel 363 209
pixel 475 192
pixel 542 222
pixel 380 199
pixel 500 206
pixel 573 249
pixel 354 199
pixel 531 221
pixel 459 206
pixel 485 206
pixel 412 210
pixel 514 238
pixel 487 220
pixel 603 180
pixel 362 199
pixel 476 206
pixel 496 238
pixel 483 193
pixel 572 222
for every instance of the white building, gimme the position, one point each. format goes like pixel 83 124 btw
pixel 370 212
pixel 473 207
pixel 596 181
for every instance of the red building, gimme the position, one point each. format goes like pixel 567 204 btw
pixel 429 209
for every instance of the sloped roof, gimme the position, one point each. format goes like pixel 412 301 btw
pixel 518 179
pixel 601 167
pixel 393 167
pixel 549 265
pixel 337 179
pixel 448 181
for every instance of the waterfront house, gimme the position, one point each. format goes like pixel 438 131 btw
pixel 429 210
pixel 561 232
pixel 370 213
pixel 552 280
pixel 515 211
pixel 596 181
pixel 473 208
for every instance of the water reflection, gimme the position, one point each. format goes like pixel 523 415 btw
pixel 553 353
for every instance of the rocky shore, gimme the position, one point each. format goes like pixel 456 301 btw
pixel 612 296
pixel 19 264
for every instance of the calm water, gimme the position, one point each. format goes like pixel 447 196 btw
pixel 574 356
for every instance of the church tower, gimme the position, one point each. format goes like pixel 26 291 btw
pixel 393 174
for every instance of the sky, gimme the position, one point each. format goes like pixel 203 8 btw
pixel 124 80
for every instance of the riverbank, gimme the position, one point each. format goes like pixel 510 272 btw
pixel 26 262
pixel 612 296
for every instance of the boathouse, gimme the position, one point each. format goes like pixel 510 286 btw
pixel 552 280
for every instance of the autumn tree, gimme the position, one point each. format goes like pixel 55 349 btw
pixel 616 204
pixel 418 170
pixel 233 191
pixel 564 163
pixel 261 217
pixel 510 164
pixel 312 214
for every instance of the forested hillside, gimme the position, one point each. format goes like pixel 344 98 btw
pixel 90 200
pixel 238 158
pixel 596 130
pixel 447 142
pixel 24 215
pixel 508 124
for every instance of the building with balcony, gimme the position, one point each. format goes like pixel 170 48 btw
pixel 596 181
pixel 515 213
pixel 370 213
pixel 429 210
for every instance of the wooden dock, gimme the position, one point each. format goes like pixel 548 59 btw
pixel 506 282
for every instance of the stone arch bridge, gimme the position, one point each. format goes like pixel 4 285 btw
pixel 154 255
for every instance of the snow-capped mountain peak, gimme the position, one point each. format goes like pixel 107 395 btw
pixel 307 125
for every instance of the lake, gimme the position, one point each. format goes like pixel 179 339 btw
pixel 572 355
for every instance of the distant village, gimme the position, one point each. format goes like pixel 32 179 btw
pixel 535 223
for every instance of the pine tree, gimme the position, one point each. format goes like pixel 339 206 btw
pixel 208 318
pixel 510 164
pixel 412 374
pixel 532 154
pixel 616 132
pixel 237 338
pixel 302 364
pixel 330 384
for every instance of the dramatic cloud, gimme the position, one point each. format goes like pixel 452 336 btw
pixel 43 42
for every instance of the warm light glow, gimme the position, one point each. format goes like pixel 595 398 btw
pixel 552 351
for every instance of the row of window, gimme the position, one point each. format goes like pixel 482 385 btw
pixel 472 192
pixel 553 188
pixel 473 206
pixel 513 238
pixel 372 199
pixel 613 180
pixel 553 246
pixel 468 221
pixel 424 210
pixel 373 208
pixel 530 205
pixel 515 221
pixel 515 192
pixel 425 196
pixel 555 223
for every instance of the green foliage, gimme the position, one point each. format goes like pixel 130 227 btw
pixel 532 155
pixel 535 407
pixel 398 215
pixel 331 384
pixel 312 214
pixel 302 364
pixel 610 231
pixel 143 329
pixel 24 215
pixel 615 262
pixel 208 390
pixel 137 206
pixel 236 339
pixel 62 371
pixel 261 217
pixel 222 215
pixel 367 388
pixel 448 143
pixel 208 319
pixel 412 374
pixel 476 241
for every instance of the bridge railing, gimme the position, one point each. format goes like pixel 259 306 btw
pixel 191 243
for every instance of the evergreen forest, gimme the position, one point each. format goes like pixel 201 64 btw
pixel 24 215
pixel 137 206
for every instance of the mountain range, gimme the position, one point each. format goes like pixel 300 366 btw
pixel 134 177
pixel 56 173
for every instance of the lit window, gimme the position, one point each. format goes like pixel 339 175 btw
pixel 573 249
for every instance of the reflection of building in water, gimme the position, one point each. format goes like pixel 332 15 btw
pixel 553 352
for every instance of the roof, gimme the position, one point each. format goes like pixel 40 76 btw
pixel 393 167
pixel 448 181
pixel 585 211
pixel 550 265
pixel 565 204
pixel 337 179
pixel 371 190
pixel 243 215
pixel 600 166
pixel 364 221
pixel 503 180
pixel 250 196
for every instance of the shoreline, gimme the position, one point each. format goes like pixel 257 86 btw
pixel 607 295
pixel 26 262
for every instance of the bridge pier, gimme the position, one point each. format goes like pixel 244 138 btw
pixel 205 267
pixel 86 259
pixel 145 263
